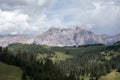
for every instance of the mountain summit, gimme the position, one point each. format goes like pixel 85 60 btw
pixel 62 37
pixel 68 37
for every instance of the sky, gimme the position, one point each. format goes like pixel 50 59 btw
pixel 32 17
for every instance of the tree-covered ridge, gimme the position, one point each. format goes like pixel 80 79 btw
pixel 32 69
pixel 80 49
pixel 28 48
pixel 88 62
pixel 93 64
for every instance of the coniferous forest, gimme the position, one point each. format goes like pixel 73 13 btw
pixel 88 62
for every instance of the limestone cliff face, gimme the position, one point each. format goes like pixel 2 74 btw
pixel 61 37
pixel 6 40
pixel 68 37
pixel 112 39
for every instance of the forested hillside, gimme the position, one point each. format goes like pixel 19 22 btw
pixel 88 62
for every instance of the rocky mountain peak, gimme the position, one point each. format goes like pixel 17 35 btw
pixel 68 37
pixel 9 39
pixel 112 39
pixel 104 36
pixel 77 28
pixel 52 29
pixel 61 37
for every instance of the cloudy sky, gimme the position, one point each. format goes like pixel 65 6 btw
pixel 32 17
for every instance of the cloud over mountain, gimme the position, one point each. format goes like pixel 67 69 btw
pixel 32 17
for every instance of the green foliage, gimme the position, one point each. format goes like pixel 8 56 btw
pixel 94 63
pixel 9 72
pixel 80 50
pixel 24 76
pixel 32 68
pixel 58 57
pixel 119 69
pixel 111 76
pixel 117 43
pixel 83 63
pixel 28 48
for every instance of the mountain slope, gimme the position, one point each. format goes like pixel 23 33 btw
pixel 28 48
pixel 112 39
pixel 6 40
pixel 9 72
pixel 111 76
pixel 61 37
pixel 68 37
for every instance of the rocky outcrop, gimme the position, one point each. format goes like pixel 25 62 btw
pixel 6 40
pixel 61 37
pixel 112 39
pixel 68 37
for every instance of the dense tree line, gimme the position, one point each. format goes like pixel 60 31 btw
pixel 92 64
pixel 32 69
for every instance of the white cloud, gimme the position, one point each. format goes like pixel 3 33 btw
pixel 14 23
pixel 32 17
pixel 41 2
pixel 102 15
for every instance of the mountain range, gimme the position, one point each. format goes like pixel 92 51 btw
pixel 61 37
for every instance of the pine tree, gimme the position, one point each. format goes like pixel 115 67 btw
pixel 67 52
pixel 24 76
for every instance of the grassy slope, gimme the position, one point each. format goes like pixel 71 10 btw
pixel 56 58
pixel 59 56
pixel 8 72
pixel 111 76
pixel 77 51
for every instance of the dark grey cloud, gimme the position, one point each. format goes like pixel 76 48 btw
pixel 26 6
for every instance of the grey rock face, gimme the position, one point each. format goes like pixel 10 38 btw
pixel 6 40
pixel 68 37
pixel 112 39
pixel 62 37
